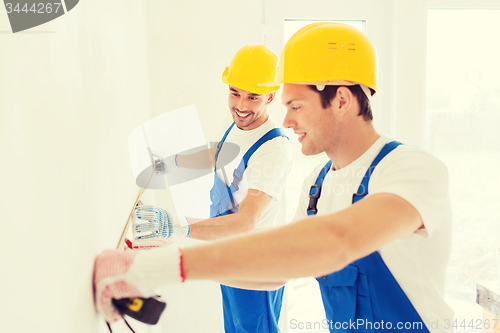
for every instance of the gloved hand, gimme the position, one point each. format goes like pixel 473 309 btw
pixel 125 274
pixel 152 222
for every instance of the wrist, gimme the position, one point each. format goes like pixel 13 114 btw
pixel 155 268
pixel 181 230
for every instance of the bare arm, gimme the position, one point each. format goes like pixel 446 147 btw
pixel 201 160
pixel 311 247
pixel 250 211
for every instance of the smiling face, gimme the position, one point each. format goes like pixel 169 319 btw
pixel 317 127
pixel 338 129
pixel 249 110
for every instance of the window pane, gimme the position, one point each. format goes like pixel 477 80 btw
pixel 462 128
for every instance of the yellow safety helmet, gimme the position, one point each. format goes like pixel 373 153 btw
pixel 250 66
pixel 328 53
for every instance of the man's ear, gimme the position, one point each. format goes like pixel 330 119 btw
pixel 270 97
pixel 345 99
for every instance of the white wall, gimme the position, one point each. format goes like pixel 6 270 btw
pixel 70 93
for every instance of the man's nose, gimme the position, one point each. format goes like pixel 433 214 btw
pixel 289 121
pixel 242 104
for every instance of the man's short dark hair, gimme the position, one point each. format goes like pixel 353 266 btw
pixel 330 92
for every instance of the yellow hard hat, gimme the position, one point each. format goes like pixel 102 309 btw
pixel 326 53
pixel 250 66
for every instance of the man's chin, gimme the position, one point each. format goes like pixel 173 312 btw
pixel 308 152
pixel 243 122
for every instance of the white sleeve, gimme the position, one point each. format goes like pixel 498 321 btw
pixel 268 172
pixel 420 179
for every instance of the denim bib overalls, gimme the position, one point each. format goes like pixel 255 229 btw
pixel 245 311
pixel 364 296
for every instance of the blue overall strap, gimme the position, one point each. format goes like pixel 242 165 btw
pixel 221 194
pixel 315 191
pixel 221 142
pixel 363 187
pixel 238 173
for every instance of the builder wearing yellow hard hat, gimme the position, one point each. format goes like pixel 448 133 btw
pixel 236 206
pixel 373 222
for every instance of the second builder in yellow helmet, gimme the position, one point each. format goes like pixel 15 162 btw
pixel 264 168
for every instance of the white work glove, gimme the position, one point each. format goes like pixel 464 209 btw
pixel 127 274
pixel 153 222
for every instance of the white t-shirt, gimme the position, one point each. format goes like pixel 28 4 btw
pixel 267 169
pixel 418 261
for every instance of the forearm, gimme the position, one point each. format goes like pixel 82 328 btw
pixel 220 227
pixel 305 248
pixel 312 247
pixel 250 211
pixel 201 160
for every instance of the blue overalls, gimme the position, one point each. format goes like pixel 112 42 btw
pixel 245 311
pixel 364 296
